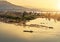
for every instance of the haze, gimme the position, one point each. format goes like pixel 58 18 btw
pixel 45 4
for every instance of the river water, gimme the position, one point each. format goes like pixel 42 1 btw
pixel 14 33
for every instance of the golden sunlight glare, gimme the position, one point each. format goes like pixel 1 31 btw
pixel 58 5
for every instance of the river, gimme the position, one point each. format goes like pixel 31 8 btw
pixel 14 33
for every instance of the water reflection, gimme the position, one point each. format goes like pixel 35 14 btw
pixel 13 33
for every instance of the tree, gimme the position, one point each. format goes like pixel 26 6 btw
pixel 23 18
pixel 27 17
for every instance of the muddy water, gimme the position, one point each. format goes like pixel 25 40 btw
pixel 14 33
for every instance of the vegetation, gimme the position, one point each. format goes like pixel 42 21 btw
pixel 27 17
pixel 24 17
pixel 19 17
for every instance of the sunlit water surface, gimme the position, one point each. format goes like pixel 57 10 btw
pixel 14 33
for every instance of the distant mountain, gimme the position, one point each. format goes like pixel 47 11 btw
pixel 4 5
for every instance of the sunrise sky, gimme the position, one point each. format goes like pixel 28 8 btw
pixel 46 4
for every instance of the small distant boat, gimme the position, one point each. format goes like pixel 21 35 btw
pixel 50 27
pixel 28 31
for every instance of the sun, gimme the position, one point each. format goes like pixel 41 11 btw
pixel 58 6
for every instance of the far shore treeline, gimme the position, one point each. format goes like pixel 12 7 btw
pixel 23 17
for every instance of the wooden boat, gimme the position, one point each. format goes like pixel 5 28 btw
pixel 50 27
pixel 28 31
